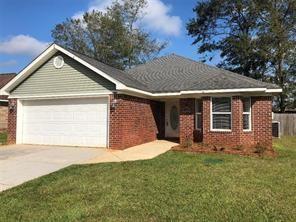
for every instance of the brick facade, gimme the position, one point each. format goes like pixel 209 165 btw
pixel 261 124
pixel 187 109
pixel 11 128
pixel 134 121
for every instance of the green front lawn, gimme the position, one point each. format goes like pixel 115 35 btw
pixel 173 186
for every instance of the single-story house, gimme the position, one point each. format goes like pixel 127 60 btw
pixel 67 98
pixel 4 79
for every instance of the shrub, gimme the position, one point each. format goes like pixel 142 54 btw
pixel 238 147
pixel 187 143
pixel 260 149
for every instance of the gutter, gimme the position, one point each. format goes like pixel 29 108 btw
pixel 262 90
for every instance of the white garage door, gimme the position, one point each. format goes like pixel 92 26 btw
pixel 70 122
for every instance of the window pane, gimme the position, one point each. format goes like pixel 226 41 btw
pixel 198 106
pixel 221 104
pixel 198 121
pixel 246 121
pixel 246 104
pixel 221 121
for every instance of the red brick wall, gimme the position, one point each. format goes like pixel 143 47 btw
pixel 225 138
pixel 262 120
pixel 11 128
pixel 135 121
pixel 261 123
pixel 187 109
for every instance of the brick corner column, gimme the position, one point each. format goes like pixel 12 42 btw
pixel 12 119
pixel 262 122
pixel 187 107
pixel 237 119
pixel 114 128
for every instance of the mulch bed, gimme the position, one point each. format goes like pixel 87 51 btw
pixel 202 148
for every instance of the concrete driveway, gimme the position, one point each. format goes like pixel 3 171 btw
pixel 20 163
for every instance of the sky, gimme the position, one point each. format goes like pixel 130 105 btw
pixel 25 26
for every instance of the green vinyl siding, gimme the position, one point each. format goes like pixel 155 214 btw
pixel 72 78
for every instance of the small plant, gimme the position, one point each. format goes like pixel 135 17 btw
pixel 238 147
pixel 260 149
pixel 222 149
pixel 188 143
pixel 218 148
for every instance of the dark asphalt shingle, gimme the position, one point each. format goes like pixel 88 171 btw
pixel 5 78
pixel 174 73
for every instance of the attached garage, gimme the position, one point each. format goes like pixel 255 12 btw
pixel 68 122
pixel 60 101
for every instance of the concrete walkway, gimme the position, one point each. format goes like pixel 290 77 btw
pixel 140 152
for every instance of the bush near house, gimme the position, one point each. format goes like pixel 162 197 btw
pixel 172 187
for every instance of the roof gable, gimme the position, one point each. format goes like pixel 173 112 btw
pixel 71 78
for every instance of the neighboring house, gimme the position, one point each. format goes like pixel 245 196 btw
pixel 66 98
pixel 4 79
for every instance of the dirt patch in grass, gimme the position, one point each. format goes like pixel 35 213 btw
pixel 256 151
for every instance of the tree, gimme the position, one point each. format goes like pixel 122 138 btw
pixel 113 37
pixel 255 38
pixel 277 29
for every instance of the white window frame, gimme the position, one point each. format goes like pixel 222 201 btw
pixel 250 115
pixel 227 113
pixel 197 113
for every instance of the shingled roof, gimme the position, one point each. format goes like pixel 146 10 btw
pixel 174 73
pixel 167 74
pixel 5 78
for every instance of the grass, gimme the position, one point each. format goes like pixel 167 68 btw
pixel 3 138
pixel 173 186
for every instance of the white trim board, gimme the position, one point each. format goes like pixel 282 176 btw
pixel 200 92
pixel 61 96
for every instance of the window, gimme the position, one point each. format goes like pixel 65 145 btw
pixel 58 62
pixel 198 108
pixel 247 114
pixel 221 114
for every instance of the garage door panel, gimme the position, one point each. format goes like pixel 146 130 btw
pixel 73 122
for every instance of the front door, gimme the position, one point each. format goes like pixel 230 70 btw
pixel 172 118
